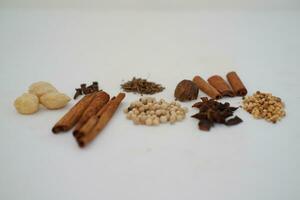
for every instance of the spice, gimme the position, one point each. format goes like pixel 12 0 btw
pixel 78 93
pixel 27 104
pixel 89 125
pixel 69 120
pixel 206 88
pixel 54 100
pixel 219 84
pixel 40 88
pixel 186 90
pixel 142 86
pixel 86 89
pixel 100 99
pixel 101 122
pixel 148 111
pixel 236 84
pixel 264 106
pixel 211 112
pixel 43 93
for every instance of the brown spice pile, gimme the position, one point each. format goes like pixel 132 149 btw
pixel 211 112
pixel 142 86
pixel 264 106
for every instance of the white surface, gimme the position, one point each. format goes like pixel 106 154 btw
pixel 254 160
pixel 155 4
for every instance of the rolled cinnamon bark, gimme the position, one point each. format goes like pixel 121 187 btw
pixel 73 115
pixel 206 88
pixel 87 127
pixel 100 99
pixel 219 84
pixel 101 111
pixel 102 122
pixel 92 121
pixel 236 84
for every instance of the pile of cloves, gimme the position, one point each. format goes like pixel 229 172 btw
pixel 212 111
pixel 83 90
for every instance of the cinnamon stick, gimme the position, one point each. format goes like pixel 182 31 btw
pixel 101 111
pixel 89 125
pixel 73 115
pixel 206 88
pixel 102 122
pixel 100 99
pixel 219 84
pixel 236 84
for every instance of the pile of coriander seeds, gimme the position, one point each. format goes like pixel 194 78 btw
pixel 148 111
pixel 264 106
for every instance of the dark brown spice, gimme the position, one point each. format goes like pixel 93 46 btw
pixel 233 121
pixel 186 90
pixel 211 111
pixel 84 89
pixel 78 93
pixel 95 86
pixel 142 86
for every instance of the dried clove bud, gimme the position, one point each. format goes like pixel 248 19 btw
pixel 86 89
pixel 78 93
pixel 186 90
pixel 95 86
pixel 83 88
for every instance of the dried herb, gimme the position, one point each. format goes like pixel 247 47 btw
pixel 142 86
pixel 211 112
pixel 86 89
pixel 186 90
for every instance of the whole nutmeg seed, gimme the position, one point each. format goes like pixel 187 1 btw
pixel 186 90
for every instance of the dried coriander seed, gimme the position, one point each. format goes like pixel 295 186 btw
pixel 264 106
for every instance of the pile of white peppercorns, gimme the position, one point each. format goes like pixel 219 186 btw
pixel 148 111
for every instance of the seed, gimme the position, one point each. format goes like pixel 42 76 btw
pixel 163 119
pixel 141 109
pixel 143 119
pixel 158 112
pixel 142 86
pixel 148 122
pixel 156 121
pixel 173 119
pixel 152 112
pixel 128 116
pixel 266 106
pixel 185 109
pixel 179 117
pixel 136 120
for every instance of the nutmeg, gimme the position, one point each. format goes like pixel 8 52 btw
pixel 186 90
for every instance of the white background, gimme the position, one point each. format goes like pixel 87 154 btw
pixel 69 43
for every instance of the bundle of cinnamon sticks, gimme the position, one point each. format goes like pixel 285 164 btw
pixel 89 116
pixel 216 87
